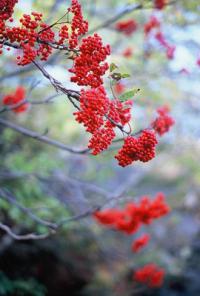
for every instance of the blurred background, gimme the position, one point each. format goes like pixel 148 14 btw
pixel 84 258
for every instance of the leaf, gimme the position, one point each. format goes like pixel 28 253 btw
pixel 116 76
pixel 113 66
pixel 125 75
pixel 129 94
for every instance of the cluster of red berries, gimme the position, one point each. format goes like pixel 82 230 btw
pixel 78 25
pixel 128 52
pixel 63 34
pixel 152 23
pixel 31 42
pixel 16 98
pixel 90 65
pixel 97 113
pixel 93 106
pixel 127 27
pixel 129 220
pixel 141 148
pixel 101 139
pixel 163 122
pixel 35 37
pixel 134 215
pixel 160 4
pixel 6 11
pixel 170 49
pixel 119 112
pixel 46 36
pixel 140 243
pixel 150 275
pixel 119 88
pixel 6 8
pixel 100 116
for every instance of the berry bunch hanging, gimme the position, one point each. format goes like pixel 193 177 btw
pixel 16 98
pixel 129 220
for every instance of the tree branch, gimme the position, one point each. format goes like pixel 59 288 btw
pixel 123 12
pixel 41 138
pixel 29 236
pixel 71 94
pixel 4 193
pixel 48 100
pixel 126 10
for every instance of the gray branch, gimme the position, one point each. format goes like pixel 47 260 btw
pixel 40 137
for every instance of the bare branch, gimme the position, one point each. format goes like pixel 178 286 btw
pixel 123 12
pixel 27 68
pixel 71 94
pixel 29 236
pixel 111 200
pixel 78 217
pixel 4 193
pixel 41 138
pixel 48 100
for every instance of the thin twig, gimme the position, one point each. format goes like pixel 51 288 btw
pixel 115 18
pixel 4 193
pixel 71 94
pixel 48 100
pixel 29 236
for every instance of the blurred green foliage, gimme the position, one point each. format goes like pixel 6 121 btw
pixel 28 287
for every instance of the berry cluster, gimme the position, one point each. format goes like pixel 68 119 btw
pixel 119 112
pixel 134 215
pixel 101 140
pixel 97 113
pixel 129 220
pixel 32 42
pixel 6 8
pixel 151 24
pixel 127 27
pixel 154 23
pixel 34 37
pixel 150 275
pixel 100 116
pixel 63 34
pixel 128 52
pixel 140 243
pixel 163 122
pixel 16 98
pixel 119 88
pixel 93 106
pixel 159 4
pixel 141 148
pixel 78 25
pixel 89 66
pixel 6 11
pixel 170 49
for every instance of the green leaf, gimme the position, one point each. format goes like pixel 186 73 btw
pixel 125 75
pixel 113 66
pixel 129 94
